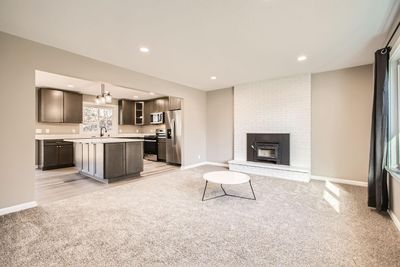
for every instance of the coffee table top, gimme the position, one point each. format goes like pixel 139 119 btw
pixel 226 177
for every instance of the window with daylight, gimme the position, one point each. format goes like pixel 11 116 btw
pixel 95 117
pixel 394 110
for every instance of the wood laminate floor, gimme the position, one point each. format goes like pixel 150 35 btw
pixel 54 185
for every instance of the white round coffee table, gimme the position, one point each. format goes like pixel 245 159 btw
pixel 227 177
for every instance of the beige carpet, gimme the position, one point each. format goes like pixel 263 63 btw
pixel 161 220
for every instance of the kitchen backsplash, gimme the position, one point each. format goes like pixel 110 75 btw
pixel 57 128
pixel 73 128
pixel 152 128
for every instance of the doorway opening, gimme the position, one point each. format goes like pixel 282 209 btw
pixel 77 123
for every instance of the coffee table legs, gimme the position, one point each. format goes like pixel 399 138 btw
pixel 226 194
pixel 202 199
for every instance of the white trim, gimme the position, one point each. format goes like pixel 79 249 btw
pixel 204 163
pixel 338 180
pixel 217 164
pixel 193 165
pixel 271 170
pixel 394 219
pixel 19 207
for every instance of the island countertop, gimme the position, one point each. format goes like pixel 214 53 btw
pixel 82 136
pixel 103 140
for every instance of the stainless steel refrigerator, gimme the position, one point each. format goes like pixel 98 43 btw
pixel 173 123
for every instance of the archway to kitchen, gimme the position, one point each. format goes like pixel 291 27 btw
pixel 91 135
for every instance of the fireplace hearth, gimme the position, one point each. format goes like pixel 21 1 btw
pixel 269 148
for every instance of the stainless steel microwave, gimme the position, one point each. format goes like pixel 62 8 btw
pixel 157 118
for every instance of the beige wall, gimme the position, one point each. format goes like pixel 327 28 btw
pixel 220 125
pixel 19 60
pixel 341 122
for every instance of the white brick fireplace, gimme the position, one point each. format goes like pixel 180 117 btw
pixel 274 106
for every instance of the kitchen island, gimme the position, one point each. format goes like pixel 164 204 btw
pixel 108 159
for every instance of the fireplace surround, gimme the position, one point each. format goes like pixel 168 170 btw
pixel 269 148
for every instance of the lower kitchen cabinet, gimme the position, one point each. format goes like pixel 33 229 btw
pixel 114 160
pixel 55 154
pixel 134 158
pixel 107 161
pixel 161 149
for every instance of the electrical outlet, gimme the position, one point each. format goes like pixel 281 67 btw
pixel 120 130
pixel 137 131
pixel 38 131
pixel 47 131
pixel 73 131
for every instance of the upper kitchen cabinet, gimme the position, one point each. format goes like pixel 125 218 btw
pixel 51 105
pixel 139 113
pixel 59 106
pixel 148 109
pixel 174 103
pixel 160 105
pixel 126 112
pixel 73 107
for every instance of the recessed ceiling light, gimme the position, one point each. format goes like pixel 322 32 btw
pixel 151 93
pixel 301 58
pixel 213 78
pixel 144 49
pixel 70 86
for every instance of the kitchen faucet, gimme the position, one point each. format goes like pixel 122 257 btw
pixel 101 131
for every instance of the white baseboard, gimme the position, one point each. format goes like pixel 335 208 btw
pixel 204 163
pixel 338 180
pixel 217 164
pixel 394 219
pixel 19 207
pixel 193 165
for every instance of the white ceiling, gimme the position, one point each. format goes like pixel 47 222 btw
pixel 190 40
pixel 52 80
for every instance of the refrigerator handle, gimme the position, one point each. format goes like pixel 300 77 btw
pixel 173 132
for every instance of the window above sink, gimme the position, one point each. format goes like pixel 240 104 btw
pixel 95 117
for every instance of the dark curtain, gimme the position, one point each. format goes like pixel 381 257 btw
pixel 377 177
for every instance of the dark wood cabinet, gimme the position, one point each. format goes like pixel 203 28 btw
pixel 114 160
pixel 50 104
pixel 126 112
pixel 161 105
pixel 134 158
pixel 55 154
pixel 161 149
pixel 50 157
pixel 139 113
pixel 148 109
pixel 155 105
pixel 57 106
pixel 73 107
pixel 65 154
pixel 174 103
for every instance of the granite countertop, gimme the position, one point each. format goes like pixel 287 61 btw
pixel 102 140
pixel 80 136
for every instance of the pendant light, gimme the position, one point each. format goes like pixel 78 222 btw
pixel 105 96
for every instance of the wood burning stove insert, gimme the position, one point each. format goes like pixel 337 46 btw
pixel 270 148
